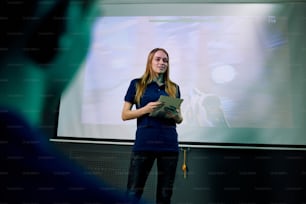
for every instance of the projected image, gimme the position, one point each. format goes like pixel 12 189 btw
pixel 240 68
pixel 233 70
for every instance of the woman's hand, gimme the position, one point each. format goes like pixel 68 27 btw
pixel 128 113
pixel 150 107
pixel 175 115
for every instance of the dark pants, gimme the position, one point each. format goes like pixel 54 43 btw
pixel 140 167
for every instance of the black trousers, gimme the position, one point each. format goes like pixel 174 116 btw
pixel 140 166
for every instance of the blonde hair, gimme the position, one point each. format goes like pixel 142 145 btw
pixel 149 75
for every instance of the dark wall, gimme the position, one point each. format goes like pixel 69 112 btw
pixel 215 175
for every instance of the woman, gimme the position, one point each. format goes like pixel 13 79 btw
pixel 156 137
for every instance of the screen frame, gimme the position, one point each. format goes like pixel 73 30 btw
pixel 149 9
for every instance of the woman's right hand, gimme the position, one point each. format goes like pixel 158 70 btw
pixel 128 113
pixel 150 107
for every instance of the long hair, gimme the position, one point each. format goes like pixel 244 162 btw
pixel 149 75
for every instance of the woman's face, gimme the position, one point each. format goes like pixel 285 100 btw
pixel 160 62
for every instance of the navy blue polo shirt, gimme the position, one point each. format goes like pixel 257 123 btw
pixel 153 133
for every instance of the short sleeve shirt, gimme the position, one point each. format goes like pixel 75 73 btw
pixel 153 133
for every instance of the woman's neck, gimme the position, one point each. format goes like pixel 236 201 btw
pixel 159 79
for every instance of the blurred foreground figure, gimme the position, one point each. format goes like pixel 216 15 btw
pixel 42 44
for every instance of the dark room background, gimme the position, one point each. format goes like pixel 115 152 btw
pixel 248 57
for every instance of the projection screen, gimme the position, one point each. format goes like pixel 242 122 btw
pixel 243 64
